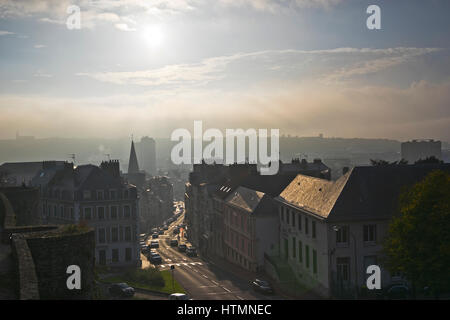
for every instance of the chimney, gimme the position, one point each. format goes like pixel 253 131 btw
pixel 112 167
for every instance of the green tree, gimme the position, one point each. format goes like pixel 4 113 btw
pixel 418 241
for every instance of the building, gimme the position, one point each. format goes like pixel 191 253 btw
pixel 421 149
pixel 207 199
pixel 146 154
pixel 98 197
pixel 330 231
pixel 19 173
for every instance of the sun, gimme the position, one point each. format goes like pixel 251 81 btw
pixel 153 36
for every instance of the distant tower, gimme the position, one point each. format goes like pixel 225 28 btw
pixel 146 152
pixel 133 166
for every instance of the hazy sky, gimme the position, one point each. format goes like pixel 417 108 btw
pixel 148 67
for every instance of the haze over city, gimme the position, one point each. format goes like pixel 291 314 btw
pixel 148 67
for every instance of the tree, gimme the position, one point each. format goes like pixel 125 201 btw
pixel 387 163
pixel 418 240
pixel 431 159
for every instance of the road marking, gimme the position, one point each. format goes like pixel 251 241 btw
pixel 215 282
pixel 226 289
pixel 239 298
pixel 204 276
pixel 207 286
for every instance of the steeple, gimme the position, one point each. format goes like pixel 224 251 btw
pixel 133 166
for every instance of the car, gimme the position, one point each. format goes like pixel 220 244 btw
pixel 154 244
pixel 262 286
pixel 145 249
pixel 178 296
pixel 155 236
pixel 161 232
pixel 121 290
pixel 397 291
pixel 154 258
pixel 191 252
pixel 173 242
pixel 182 247
pixel 176 231
pixel 165 227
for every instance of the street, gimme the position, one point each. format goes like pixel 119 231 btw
pixel 203 280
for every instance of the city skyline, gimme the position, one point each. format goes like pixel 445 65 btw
pixel 305 67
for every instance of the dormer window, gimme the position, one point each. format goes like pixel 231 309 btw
pixel 86 194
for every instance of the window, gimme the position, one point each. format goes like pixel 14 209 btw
pixel 100 195
pixel 299 224
pixel 300 252
pixel 126 210
pixel 115 255
pixel 54 211
pixel 61 211
pixel 313 227
pixel 71 214
pixel 288 214
pixel 127 254
pixel 343 269
pixel 114 234
pixel 307 256
pixel 370 233
pixel 86 194
pixel 125 194
pixel 242 245
pixel 293 219
pixel 306 225
pixel 101 213
pixel 114 212
pixel 112 194
pixel 87 213
pixel 314 261
pixel 101 235
pixel 102 257
pixel 294 247
pixel 127 233
pixel 342 235
pixel 282 214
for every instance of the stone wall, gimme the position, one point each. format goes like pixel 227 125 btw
pixel 53 252
pixel 43 253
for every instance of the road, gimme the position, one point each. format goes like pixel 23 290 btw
pixel 203 280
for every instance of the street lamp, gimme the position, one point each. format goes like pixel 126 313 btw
pixel 336 229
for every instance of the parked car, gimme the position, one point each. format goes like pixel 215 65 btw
pixel 191 252
pixel 154 258
pixel 262 286
pixel 165 227
pixel 155 236
pixel 173 242
pixel 397 291
pixel 176 231
pixel 121 290
pixel 154 244
pixel 161 232
pixel 145 249
pixel 182 247
pixel 178 296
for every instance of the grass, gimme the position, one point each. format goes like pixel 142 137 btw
pixel 150 279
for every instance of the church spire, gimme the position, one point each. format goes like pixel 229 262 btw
pixel 133 166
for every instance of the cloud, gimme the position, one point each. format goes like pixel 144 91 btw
pixel 4 33
pixel 333 65
pixel 420 110
pixel 124 27
pixel 39 46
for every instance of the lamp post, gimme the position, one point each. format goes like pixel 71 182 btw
pixel 336 229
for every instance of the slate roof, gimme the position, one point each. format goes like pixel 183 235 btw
pixel 369 192
pixel 252 201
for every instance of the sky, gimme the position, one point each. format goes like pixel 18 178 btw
pixel 148 67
